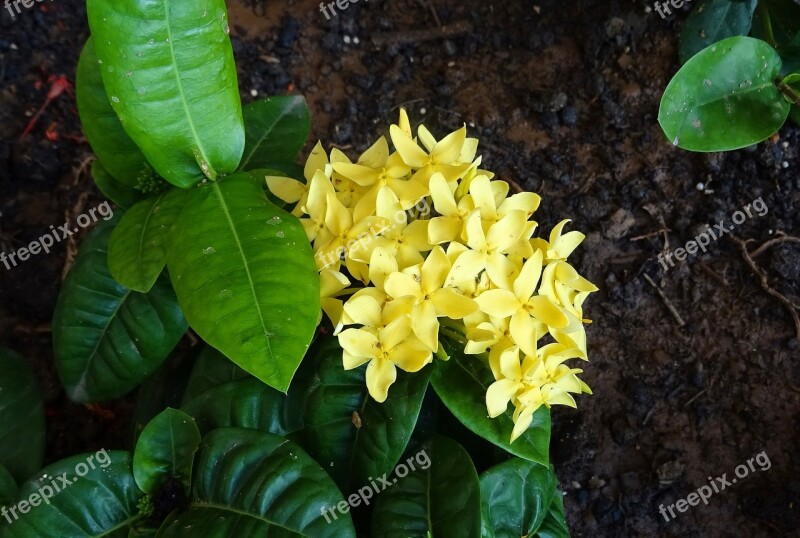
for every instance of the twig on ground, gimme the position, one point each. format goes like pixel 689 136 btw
pixel 667 302
pixel 418 36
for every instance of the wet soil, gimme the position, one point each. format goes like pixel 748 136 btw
pixel 693 374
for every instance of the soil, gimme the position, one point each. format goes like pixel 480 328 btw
pixel 693 374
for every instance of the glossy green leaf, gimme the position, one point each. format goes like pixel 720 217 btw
pixel 355 437
pixel 725 97
pixel 22 426
pixel 168 69
pixel 554 524
pixel 245 277
pixel 137 250
pixel 275 131
pixel 251 483
pixel 8 489
pixel 516 497
pixel 211 369
pixel 461 383
pixel 107 338
pixel 714 20
pixel 442 500
pixel 101 503
pixel 116 191
pixel 165 451
pixel 246 403
pixel 120 156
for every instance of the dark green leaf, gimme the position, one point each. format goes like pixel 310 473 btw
pixel 442 500
pixel 211 369
pixel 516 497
pixel 251 483
pixel 345 429
pixel 554 525
pixel 8 489
pixel 275 130
pixel 714 20
pixel 116 191
pixel 462 382
pixel 245 277
pixel 102 503
pixel 119 155
pixel 165 451
pixel 22 425
pixel 137 250
pixel 724 98
pixel 107 338
pixel 168 69
pixel 246 403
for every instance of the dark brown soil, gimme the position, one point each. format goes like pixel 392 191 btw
pixel 564 97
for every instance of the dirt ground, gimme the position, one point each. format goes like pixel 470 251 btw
pixel 694 371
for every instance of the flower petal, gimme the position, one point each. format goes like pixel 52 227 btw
pixel 523 331
pixel 452 304
pixel 545 311
pixel 499 394
pixel 287 189
pixel 316 161
pixel 376 155
pixel 528 278
pixel 426 325
pixel 498 303
pixel 381 373
pixel 400 284
pixel 364 310
pixel 411 356
pixel 359 342
pixel 449 148
pixel 412 154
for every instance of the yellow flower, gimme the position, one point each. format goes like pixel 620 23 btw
pixel 562 284
pixel 450 225
pixel 384 349
pixel 523 307
pixel 560 246
pixel 442 156
pixel 432 300
pixel 331 283
pixel 292 191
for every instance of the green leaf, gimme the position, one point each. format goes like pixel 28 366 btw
pixel 107 338
pixel 328 401
pixel 275 131
pixel 100 503
pixel 714 20
pixel 516 497
pixel 461 383
pixel 442 500
pixel 168 69
pixel 8 488
pixel 211 369
pixel 165 451
pixel 246 403
pixel 137 250
pixel 22 426
pixel 555 524
pixel 116 191
pixel 245 277
pixel 251 483
pixel 725 97
pixel 119 155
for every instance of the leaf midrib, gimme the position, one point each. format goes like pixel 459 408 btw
pixel 261 140
pixel 228 508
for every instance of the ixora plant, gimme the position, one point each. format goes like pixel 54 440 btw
pixel 385 335
pixel 734 90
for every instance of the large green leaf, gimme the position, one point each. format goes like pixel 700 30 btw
pixel 114 148
pixel 554 524
pixel 90 495
pixel 107 338
pixel 137 250
pixel 275 131
pixel 342 426
pixel 22 426
pixel 516 497
pixel 211 369
pixel 116 191
pixel 251 483
pixel 725 97
pixel 246 403
pixel 461 383
pixel 245 277
pixel 714 20
pixel 442 500
pixel 165 451
pixel 168 69
pixel 8 488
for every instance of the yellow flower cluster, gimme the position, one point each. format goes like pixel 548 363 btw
pixel 404 238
